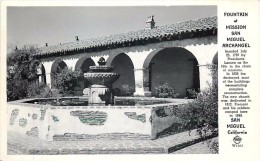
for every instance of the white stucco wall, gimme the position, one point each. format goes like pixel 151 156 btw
pixel 203 49
pixel 117 121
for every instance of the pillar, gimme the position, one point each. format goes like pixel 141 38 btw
pixel 204 54
pixel 141 82
pixel 205 76
pixel 41 79
pixel 47 66
pixel 205 73
pixel 48 79
pixel 141 74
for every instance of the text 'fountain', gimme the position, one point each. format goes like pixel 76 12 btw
pixel 101 78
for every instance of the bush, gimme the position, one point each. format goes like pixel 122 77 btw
pixel 202 112
pixel 165 91
pixel 16 88
pixel 191 93
pixel 127 90
pixel 66 80
pixel 214 146
pixel 38 90
pixel 204 108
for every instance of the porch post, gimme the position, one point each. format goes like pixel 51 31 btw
pixel 48 79
pixel 205 76
pixel 47 66
pixel 142 82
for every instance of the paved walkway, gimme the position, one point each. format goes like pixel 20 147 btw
pixel 20 144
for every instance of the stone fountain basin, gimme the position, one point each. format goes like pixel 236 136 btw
pixel 101 78
pixel 80 122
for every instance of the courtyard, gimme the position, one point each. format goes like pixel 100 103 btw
pixel 152 90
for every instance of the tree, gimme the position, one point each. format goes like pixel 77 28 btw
pixel 22 75
pixel 19 74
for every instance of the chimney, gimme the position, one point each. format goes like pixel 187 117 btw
pixel 150 23
pixel 77 38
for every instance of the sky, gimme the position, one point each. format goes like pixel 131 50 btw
pixel 55 25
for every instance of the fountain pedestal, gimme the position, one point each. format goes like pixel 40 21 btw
pixel 100 94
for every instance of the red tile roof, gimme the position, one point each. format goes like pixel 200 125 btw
pixel 187 29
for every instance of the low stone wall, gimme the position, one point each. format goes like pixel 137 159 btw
pixel 89 122
pixel 45 121
pixel 162 118
pixel 163 115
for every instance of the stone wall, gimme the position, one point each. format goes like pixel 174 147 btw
pixel 86 120
pixel 163 118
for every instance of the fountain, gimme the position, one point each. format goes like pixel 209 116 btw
pixel 101 78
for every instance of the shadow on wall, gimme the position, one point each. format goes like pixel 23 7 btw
pixel 83 64
pixel 124 67
pixel 176 67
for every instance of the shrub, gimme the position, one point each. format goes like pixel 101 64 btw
pixel 116 92
pixel 38 90
pixel 66 80
pixel 127 90
pixel 204 108
pixel 16 88
pixel 202 112
pixel 214 146
pixel 165 91
pixel 191 93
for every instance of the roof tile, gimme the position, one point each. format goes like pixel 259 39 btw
pixel 203 24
